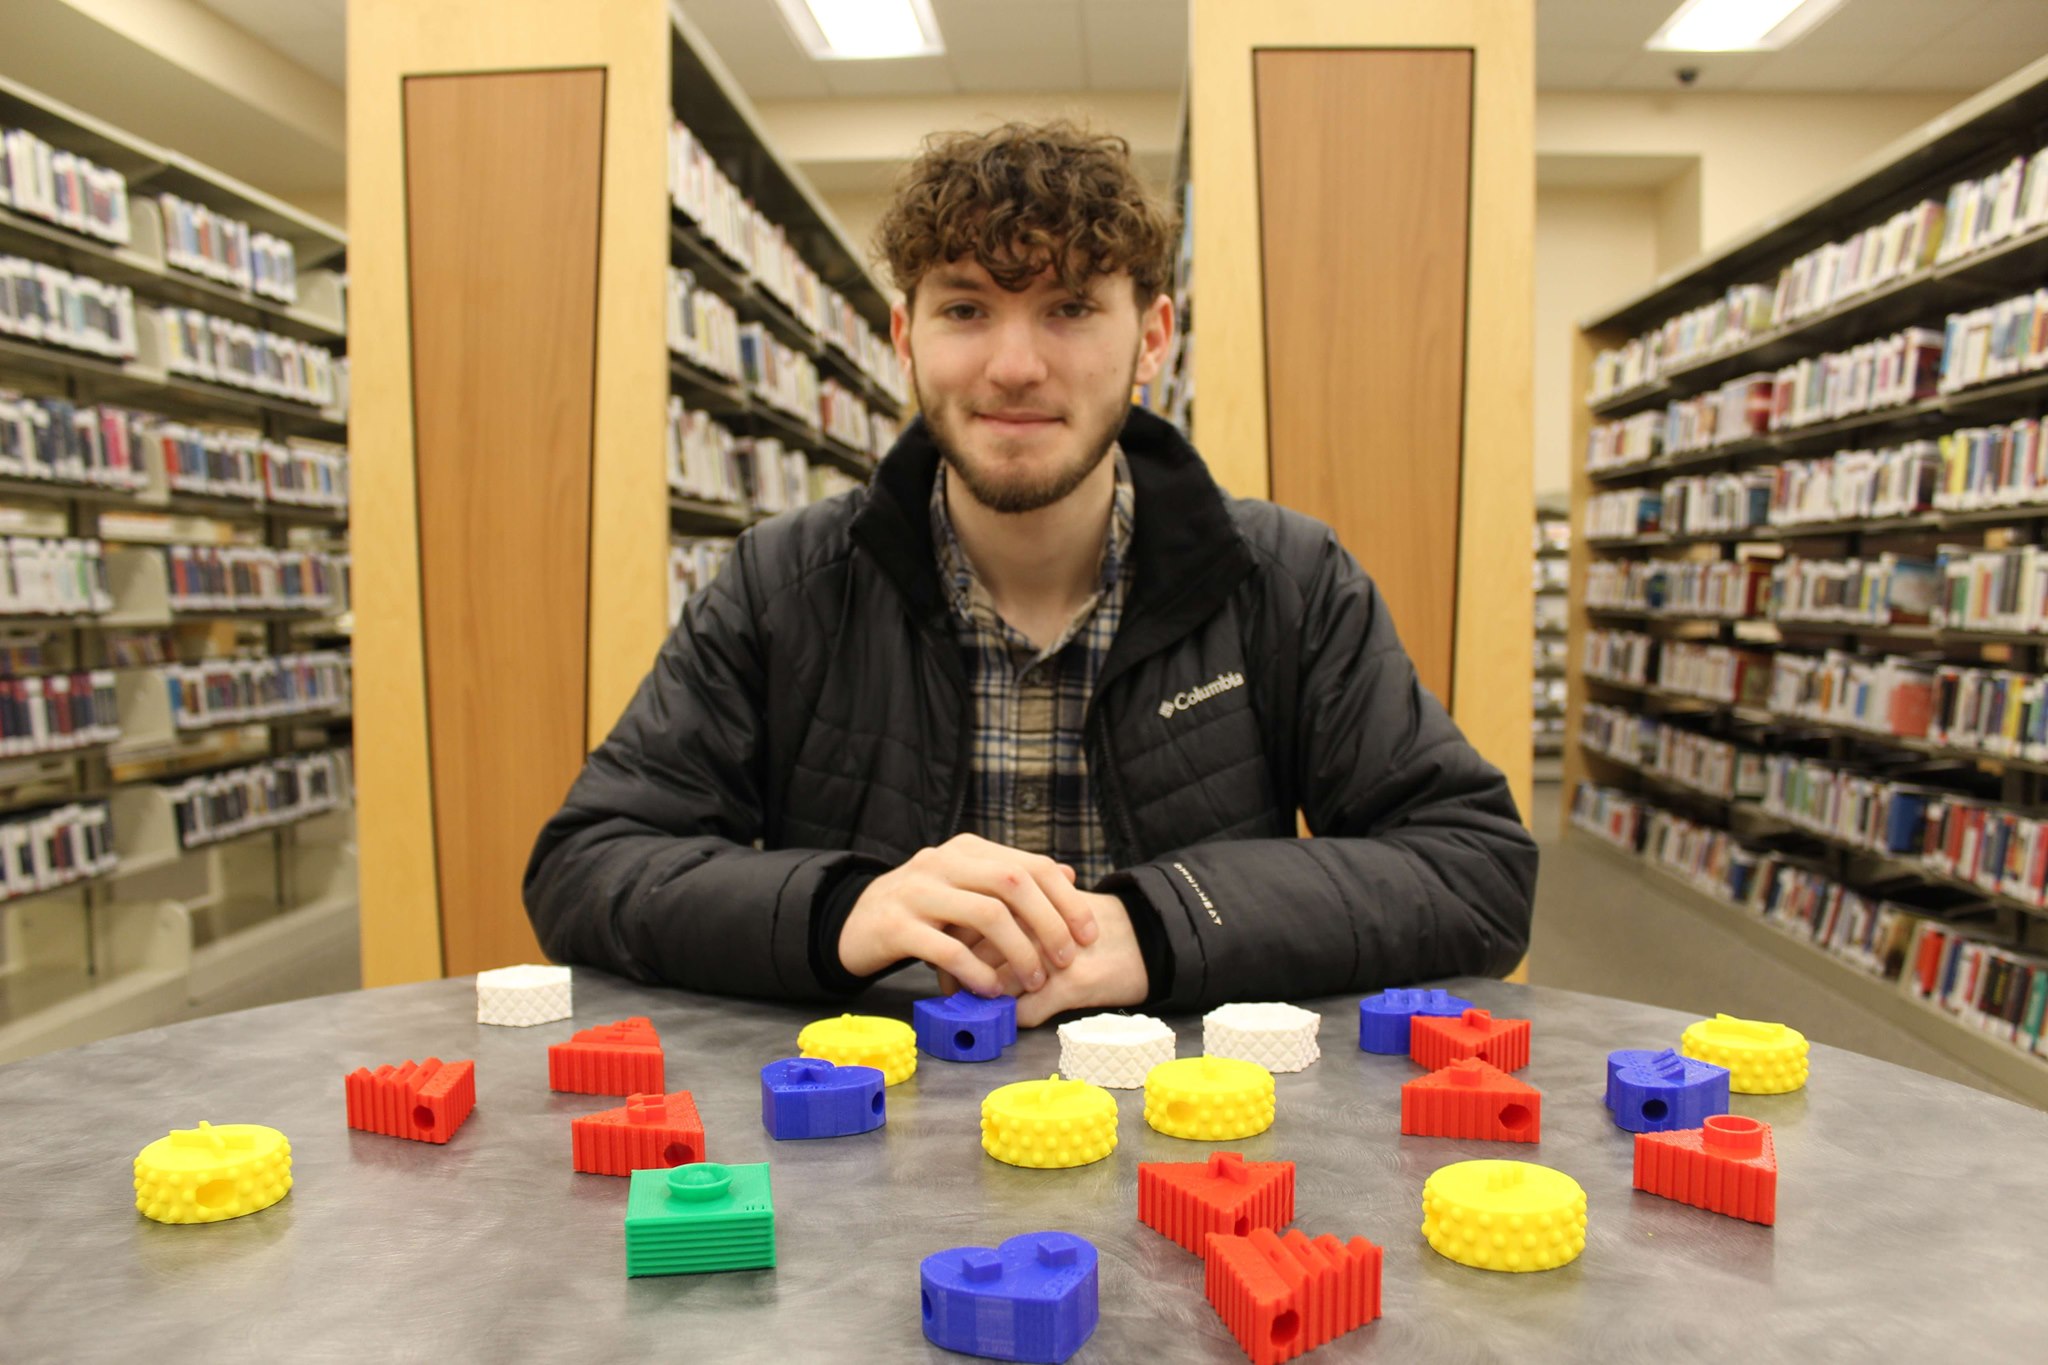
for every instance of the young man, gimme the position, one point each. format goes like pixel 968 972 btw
pixel 1039 706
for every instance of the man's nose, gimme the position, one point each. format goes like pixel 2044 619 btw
pixel 1017 361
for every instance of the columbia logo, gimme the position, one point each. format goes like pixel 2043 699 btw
pixel 1183 701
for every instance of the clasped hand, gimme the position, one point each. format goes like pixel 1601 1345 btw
pixel 999 921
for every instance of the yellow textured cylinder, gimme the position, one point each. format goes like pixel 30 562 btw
pixel 1209 1099
pixel 887 1045
pixel 1762 1058
pixel 206 1174
pixel 1504 1215
pixel 1049 1124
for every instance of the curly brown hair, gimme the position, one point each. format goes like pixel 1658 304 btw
pixel 1024 197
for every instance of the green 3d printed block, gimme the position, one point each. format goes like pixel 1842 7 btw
pixel 686 1220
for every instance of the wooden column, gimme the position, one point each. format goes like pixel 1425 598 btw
pixel 1364 319
pixel 508 210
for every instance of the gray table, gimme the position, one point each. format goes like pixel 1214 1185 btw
pixel 1912 1212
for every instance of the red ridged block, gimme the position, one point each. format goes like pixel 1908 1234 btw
pixel 1730 1166
pixel 1472 1099
pixel 617 1059
pixel 424 1101
pixel 1188 1200
pixel 1436 1043
pixel 649 1132
pixel 1281 1296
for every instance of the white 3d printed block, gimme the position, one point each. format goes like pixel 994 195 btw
pixel 1114 1050
pixel 1277 1037
pixel 522 996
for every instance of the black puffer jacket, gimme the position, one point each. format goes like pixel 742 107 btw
pixel 808 721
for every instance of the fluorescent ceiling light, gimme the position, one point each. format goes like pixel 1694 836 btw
pixel 863 30
pixel 1738 25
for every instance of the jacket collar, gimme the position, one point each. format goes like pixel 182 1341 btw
pixel 1186 550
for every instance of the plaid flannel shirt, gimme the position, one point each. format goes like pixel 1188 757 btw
pixel 1028 784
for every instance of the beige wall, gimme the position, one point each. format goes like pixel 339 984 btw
pixel 1757 153
pixel 1590 243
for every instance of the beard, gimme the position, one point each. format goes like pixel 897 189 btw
pixel 994 482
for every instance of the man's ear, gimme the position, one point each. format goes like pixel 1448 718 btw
pixel 1155 336
pixel 899 332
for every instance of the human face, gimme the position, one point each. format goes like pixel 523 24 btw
pixel 1025 391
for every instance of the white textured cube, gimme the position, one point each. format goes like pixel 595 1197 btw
pixel 1278 1037
pixel 1115 1051
pixel 522 996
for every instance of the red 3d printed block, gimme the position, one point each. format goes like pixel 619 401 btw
pixel 1281 1296
pixel 1436 1043
pixel 617 1059
pixel 1730 1166
pixel 1188 1200
pixel 647 1133
pixel 425 1101
pixel 1472 1099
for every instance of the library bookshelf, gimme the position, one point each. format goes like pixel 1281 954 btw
pixel 1806 632
pixel 174 640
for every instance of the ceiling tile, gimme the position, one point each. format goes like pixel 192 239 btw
pixel 1657 71
pixel 1580 68
pixel 1013 47
pixel 898 76
pixel 756 46
pixel 1564 24
pixel 1135 44
pixel 1821 68
pixel 1947 68
pixel 2019 26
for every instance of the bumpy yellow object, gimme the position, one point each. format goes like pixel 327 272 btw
pixel 206 1174
pixel 1049 1124
pixel 1504 1215
pixel 1209 1099
pixel 887 1045
pixel 1762 1059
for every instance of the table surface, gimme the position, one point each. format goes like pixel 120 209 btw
pixel 1910 1210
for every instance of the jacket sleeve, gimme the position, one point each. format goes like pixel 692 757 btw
pixel 1420 868
pixel 651 869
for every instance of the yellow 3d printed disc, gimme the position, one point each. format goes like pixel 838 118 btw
pixel 1504 1215
pixel 1049 1124
pixel 1762 1059
pixel 1209 1099
pixel 887 1045
pixel 206 1174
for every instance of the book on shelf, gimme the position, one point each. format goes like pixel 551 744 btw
pixel 213 692
pixel 220 351
pixel 223 248
pixel 55 440
pixel 56 712
pixel 56 576
pixel 54 848
pixel 221 805
pixel 62 187
pixel 53 307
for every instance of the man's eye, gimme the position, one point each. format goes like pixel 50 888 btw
pixel 1076 309
pixel 958 312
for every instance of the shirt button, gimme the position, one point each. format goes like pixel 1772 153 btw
pixel 1028 798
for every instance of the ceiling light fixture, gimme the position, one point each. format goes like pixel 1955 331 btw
pixel 1738 25
pixel 863 30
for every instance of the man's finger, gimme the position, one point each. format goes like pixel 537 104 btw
pixel 953 958
pixel 969 906
pixel 1070 903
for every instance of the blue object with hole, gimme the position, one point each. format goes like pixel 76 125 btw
pixel 803 1097
pixel 1383 1019
pixel 1036 1297
pixel 1663 1092
pixel 964 1027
